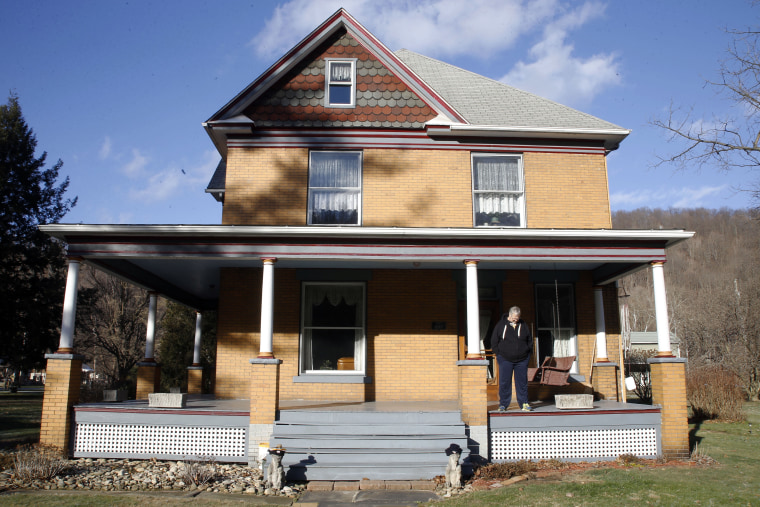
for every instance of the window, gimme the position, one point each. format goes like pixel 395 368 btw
pixel 335 180
pixel 555 321
pixel 332 337
pixel 340 83
pixel 497 190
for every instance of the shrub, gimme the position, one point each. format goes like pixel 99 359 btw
pixel 39 462
pixel 714 393
pixel 636 366
pixel 199 471
pixel 504 470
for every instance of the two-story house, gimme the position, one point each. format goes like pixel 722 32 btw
pixel 380 211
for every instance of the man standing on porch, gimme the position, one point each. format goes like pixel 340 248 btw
pixel 512 344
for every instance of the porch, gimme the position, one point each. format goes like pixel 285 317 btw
pixel 384 440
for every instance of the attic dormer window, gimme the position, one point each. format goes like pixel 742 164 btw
pixel 340 79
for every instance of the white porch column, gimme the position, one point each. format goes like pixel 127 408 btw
pixel 197 347
pixel 267 309
pixel 66 343
pixel 150 335
pixel 601 331
pixel 661 310
pixel 473 311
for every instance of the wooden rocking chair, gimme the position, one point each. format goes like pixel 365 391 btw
pixel 554 371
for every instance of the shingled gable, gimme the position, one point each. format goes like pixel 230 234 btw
pixel 232 117
pixel 382 99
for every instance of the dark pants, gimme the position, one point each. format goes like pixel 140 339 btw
pixel 520 370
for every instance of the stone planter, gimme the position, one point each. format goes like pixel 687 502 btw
pixel 573 401
pixel 167 400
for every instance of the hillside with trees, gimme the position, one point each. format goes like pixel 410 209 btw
pixel 713 287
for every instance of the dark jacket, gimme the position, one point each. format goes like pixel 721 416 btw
pixel 512 343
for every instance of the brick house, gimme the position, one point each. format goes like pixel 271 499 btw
pixel 380 211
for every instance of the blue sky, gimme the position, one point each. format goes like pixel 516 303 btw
pixel 118 89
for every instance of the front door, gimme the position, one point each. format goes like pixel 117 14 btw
pixel 490 312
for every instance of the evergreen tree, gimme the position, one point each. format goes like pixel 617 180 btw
pixel 32 267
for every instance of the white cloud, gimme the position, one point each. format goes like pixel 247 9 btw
pixel 452 28
pixel 136 166
pixel 695 197
pixel 176 179
pixel 683 197
pixel 105 149
pixel 556 73
pixel 432 27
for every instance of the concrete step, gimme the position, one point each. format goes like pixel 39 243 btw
pixel 341 445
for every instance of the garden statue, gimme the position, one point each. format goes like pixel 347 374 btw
pixel 453 468
pixel 275 471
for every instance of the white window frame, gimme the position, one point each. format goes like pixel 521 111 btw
pixel 562 328
pixel 329 82
pixel 358 189
pixel 520 193
pixel 360 363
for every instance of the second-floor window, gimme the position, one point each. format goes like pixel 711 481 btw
pixel 335 182
pixel 497 190
pixel 339 83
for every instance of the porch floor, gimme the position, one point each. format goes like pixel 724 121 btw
pixel 209 405
pixel 543 408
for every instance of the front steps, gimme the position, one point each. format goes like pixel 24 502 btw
pixel 326 445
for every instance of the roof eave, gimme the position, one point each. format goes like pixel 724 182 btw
pixel 610 137
pixel 62 231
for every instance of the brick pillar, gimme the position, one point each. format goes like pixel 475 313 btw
pixel 473 402
pixel 148 379
pixel 605 377
pixel 668 377
pixel 62 384
pixel 265 396
pixel 194 380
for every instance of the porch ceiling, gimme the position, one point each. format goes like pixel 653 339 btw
pixel 183 262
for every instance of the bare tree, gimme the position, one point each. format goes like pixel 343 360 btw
pixel 729 142
pixel 111 324
pixel 713 288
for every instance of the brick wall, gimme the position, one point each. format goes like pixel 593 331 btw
pixel 266 186
pixel 566 190
pixel 415 188
pixel 238 325
pixel 410 361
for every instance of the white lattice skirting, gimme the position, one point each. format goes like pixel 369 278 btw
pixel 131 440
pixel 573 444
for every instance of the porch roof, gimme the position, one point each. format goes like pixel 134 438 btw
pixel 183 262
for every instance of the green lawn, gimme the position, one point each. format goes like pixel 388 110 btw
pixel 20 417
pixel 733 480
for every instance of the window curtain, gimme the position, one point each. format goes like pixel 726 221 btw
pixel 498 189
pixel 334 182
pixel 340 72
pixel 316 295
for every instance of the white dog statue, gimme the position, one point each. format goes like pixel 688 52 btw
pixel 453 468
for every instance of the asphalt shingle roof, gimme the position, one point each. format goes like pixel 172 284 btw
pixel 486 102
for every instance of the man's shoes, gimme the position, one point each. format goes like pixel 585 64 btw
pixel 527 408
pixel 502 408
